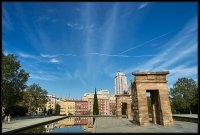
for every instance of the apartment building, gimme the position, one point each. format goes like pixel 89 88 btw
pixel 106 102
pixel 73 107
pixel 67 107
pixel 81 107
pixel 51 103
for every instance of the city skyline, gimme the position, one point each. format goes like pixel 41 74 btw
pixel 72 48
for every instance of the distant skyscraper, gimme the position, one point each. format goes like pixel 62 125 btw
pixel 121 85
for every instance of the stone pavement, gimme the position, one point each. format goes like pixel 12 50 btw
pixel 16 124
pixel 186 115
pixel 123 125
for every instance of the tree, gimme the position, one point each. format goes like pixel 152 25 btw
pixel 13 80
pixel 57 109
pixel 196 102
pixel 25 99
pixel 45 110
pixel 184 94
pixel 37 97
pixel 17 111
pixel 95 104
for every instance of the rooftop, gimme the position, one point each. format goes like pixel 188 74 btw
pixel 151 73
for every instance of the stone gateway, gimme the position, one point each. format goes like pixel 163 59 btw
pixel 156 84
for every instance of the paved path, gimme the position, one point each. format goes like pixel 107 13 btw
pixel 123 125
pixel 187 115
pixel 16 124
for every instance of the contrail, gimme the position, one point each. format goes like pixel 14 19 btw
pixel 146 42
pixel 56 55
pixel 114 55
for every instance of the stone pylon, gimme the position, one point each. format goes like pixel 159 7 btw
pixel 156 84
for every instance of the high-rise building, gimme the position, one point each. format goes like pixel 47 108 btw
pixel 121 85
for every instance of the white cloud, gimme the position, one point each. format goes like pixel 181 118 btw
pixel 67 54
pixel 25 55
pixel 177 48
pixel 53 60
pixel 75 76
pixel 39 77
pixel 48 56
pixel 182 46
pixel 179 56
pixel 6 20
pixel 69 75
pixel 143 5
pixel 5 52
pixel 44 17
pixel 56 55
pixel 182 71
pixel 106 42
pixel 43 58
pixel 69 25
pixel 75 25
pixel 78 26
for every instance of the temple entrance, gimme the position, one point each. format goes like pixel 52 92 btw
pixel 149 106
pixel 154 109
pixel 124 109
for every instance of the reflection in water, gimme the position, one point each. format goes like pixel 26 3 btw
pixel 71 124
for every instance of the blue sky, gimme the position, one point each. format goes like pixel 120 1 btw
pixel 71 48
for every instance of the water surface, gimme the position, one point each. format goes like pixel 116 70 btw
pixel 67 125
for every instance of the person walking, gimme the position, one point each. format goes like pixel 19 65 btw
pixel 9 117
pixel 126 114
pixel 6 118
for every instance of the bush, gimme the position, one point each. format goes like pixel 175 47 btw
pixel 20 110
pixel 16 111
pixel 7 111
pixel 50 111
pixel 70 114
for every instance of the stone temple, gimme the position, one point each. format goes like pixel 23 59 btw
pixel 136 100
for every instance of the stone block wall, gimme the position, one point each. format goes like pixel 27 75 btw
pixel 124 99
pixel 156 84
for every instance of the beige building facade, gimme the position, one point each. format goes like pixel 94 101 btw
pixel 51 103
pixel 106 102
pixel 67 107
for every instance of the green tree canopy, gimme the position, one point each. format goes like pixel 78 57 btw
pixel 37 97
pixel 95 104
pixel 13 80
pixel 184 94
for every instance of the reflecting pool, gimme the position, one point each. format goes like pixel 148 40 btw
pixel 67 125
